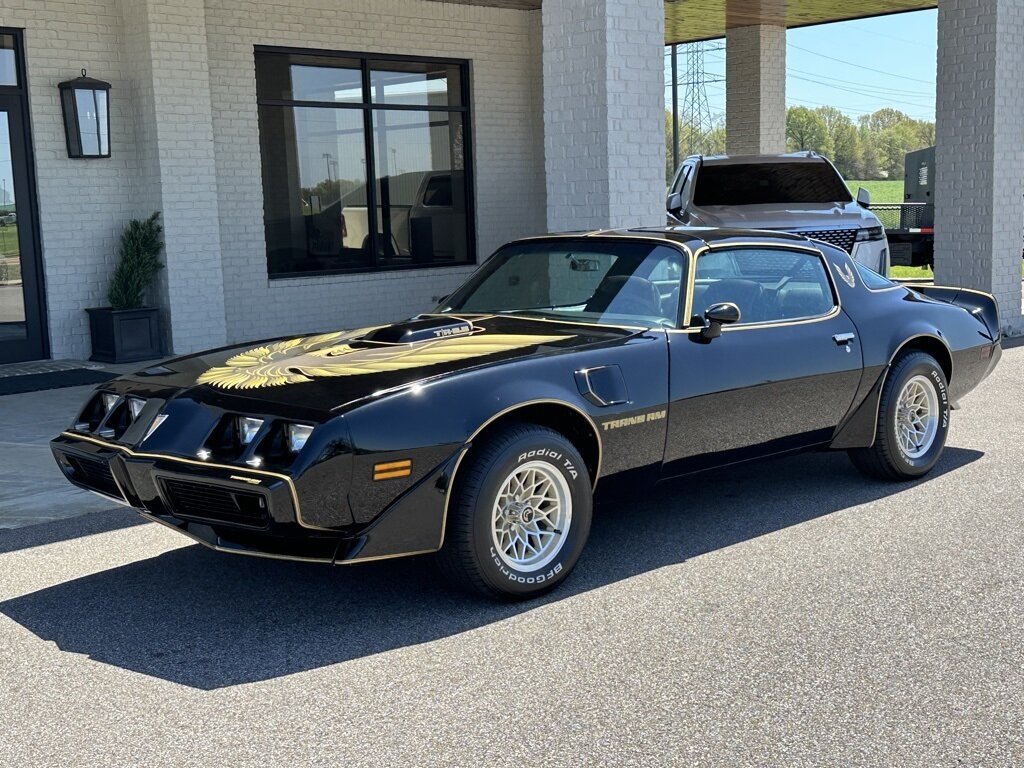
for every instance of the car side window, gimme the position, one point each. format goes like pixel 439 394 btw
pixel 767 284
pixel 872 279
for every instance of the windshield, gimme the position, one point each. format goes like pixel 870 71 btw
pixel 613 283
pixel 768 183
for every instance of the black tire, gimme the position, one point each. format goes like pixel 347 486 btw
pixel 469 558
pixel 886 459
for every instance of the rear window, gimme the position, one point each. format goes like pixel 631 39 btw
pixel 769 183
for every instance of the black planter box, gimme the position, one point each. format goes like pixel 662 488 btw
pixel 124 335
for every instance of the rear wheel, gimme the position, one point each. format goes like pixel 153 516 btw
pixel 519 515
pixel 913 420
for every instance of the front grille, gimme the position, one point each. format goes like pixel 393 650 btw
pixel 215 504
pixel 95 474
pixel 840 238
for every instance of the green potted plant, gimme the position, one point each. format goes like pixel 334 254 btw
pixel 129 330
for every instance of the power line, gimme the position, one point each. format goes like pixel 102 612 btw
pixel 898 91
pixel 862 93
pixel 860 66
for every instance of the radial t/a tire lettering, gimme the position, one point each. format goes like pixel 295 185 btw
pixel 520 514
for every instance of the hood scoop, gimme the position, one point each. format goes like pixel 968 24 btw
pixel 420 329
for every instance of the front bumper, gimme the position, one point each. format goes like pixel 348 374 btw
pixel 249 511
pixel 228 509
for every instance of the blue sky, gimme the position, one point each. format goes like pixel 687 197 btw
pixel 858 66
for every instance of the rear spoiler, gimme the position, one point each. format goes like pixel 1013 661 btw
pixel 980 304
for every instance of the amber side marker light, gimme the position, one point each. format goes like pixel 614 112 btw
pixel 392 469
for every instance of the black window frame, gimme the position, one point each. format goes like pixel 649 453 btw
pixel 368 107
pixel 32 257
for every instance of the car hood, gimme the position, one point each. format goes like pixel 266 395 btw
pixel 789 218
pixel 321 373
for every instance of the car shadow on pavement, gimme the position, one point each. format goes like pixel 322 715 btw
pixel 210 620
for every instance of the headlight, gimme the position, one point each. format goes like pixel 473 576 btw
pixel 247 428
pixel 109 401
pixel 298 434
pixel 869 234
pixel 135 406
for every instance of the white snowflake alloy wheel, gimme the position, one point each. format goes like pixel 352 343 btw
pixel 917 412
pixel 531 516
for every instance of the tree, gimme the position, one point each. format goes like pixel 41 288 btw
pixel 806 130
pixel 884 118
pixel 847 153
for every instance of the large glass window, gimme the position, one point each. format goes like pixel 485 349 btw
pixel 365 163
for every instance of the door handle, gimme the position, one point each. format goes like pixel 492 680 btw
pixel 844 339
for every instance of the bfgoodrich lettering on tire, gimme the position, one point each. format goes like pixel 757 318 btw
pixel 519 515
pixel 913 421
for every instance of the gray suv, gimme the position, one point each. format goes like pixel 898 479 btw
pixel 800 192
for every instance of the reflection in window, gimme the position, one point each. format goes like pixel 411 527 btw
pixel 326 84
pixel 340 198
pixel 8 61
pixel 410 83
pixel 419 156
pixel 315 206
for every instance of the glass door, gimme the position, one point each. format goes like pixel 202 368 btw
pixel 21 329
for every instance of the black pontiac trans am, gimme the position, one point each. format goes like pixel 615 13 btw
pixel 566 366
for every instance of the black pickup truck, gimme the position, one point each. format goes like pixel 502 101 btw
pixel 910 225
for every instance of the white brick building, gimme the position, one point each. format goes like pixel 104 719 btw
pixel 552 119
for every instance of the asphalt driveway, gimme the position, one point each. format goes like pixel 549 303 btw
pixel 787 613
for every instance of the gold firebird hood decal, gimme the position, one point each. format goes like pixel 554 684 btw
pixel 297 361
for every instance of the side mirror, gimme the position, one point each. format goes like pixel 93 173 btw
pixel 674 203
pixel 863 198
pixel 717 315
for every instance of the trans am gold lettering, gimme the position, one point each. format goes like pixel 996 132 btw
pixel 632 421
pixel 301 360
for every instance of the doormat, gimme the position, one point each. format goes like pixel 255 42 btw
pixel 34 382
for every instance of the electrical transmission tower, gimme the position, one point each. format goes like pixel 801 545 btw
pixel 692 120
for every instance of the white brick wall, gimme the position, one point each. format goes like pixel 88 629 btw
pixel 755 82
pixel 503 46
pixel 604 121
pixel 83 203
pixel 166 46
pixel 979 180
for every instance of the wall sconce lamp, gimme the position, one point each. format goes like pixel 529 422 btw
pixel 85 103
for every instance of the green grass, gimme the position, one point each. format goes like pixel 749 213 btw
pixel 888 191
pixel 9 240
pixel 911 272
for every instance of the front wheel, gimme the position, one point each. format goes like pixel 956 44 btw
pixel 913 421
pixel 519 515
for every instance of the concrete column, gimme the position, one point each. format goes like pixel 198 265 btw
pixel 979 157
pixel 755 89
pixel 165 41
pixel 604 113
